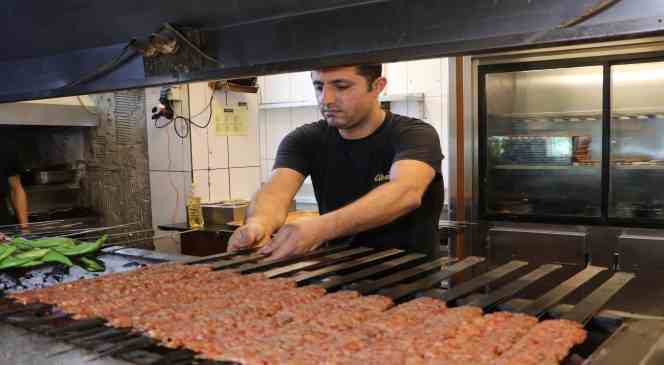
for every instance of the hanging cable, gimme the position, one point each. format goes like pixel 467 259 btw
pixel 87 108
pixel 186 122
pixel 209 106
pixel 192 45
pixel 107 67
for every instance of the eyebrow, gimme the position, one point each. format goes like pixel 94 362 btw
pixel 335 81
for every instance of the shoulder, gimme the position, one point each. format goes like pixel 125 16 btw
pixel 403 126
pixel 309 131
pixel 305 137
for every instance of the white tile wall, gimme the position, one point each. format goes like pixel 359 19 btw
pixel 172 159
pixel 244 182
pixel 272 90
pixel 243 150
pixel 219 152
pixel 424 77
pixel 433 108
pixel 266 169
pixel 304 115
pixel 397 78
pixel 219 185
pixel 168 193
pixel 277 125
pixel 302 88
pixel 399 108
pixel 199 96
pixel 170 162
pixel 166 151
pixel 202 180
pixel 262 134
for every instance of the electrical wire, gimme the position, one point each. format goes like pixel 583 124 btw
pixel 105 68
pixel 192 45
pixel 209 106
pixel 170 179
pixel 187 122
pixel 594 10
pixel 87 108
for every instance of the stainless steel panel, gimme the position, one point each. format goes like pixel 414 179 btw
pixel 641 250
pixel 19 346
pixel 537 244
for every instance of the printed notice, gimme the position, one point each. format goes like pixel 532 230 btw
pixel 231 121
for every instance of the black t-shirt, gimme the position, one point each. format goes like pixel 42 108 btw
pixel 343 171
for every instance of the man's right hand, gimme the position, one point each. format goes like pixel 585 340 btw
pixel 247 236
pixel 2 237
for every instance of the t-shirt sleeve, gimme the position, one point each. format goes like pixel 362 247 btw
pixel 294 150
pixel 417 140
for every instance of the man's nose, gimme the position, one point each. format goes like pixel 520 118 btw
pixel 327 96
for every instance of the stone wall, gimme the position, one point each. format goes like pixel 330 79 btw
pixel 117 182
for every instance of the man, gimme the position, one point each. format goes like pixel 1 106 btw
pixel 11 189
pixel 376 175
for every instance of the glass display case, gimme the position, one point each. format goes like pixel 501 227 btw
pixel 637 142
pixel 542 142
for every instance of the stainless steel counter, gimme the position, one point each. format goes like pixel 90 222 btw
pixel 18 346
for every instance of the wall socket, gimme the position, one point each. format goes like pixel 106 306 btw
pixel 176 93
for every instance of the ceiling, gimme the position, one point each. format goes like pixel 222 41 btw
pixel 47 44
pixel 44 27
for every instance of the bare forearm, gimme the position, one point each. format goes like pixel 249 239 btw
pixel 20 203
pixel 381 206
pixel 268 208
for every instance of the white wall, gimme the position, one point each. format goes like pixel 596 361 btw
pixel 428 77
pixel 170 170
pixel 223 167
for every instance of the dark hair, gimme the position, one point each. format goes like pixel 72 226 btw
pixel 370 72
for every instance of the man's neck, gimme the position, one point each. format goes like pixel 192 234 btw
pixel 365 128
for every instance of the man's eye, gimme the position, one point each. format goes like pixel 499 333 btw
pixel 342 87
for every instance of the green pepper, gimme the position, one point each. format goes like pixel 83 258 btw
pixel 55 256
pixel 12 261
pixel 92 265
pixel 82 248
pixel 51 256
pixel 20 243
pixel 52 242
pixel 31 263
pixel 34 254
pixel 6 251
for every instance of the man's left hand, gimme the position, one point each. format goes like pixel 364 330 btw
pixel 296 238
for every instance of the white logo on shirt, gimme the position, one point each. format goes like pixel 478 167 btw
pixel 381 178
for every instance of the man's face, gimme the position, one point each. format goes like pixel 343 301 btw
pixel 343 96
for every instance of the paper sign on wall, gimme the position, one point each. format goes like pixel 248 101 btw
pixel 231 121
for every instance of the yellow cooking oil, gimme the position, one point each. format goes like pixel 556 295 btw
pixel 194 210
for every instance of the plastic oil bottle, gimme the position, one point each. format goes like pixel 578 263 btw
pixel 194 211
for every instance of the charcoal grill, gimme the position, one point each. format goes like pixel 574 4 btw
pixel 123 251
pixel 394 273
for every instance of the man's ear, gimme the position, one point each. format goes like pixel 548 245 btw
pixel 379 85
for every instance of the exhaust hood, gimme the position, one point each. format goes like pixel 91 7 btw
pixel 57 112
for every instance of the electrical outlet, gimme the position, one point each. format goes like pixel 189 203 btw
pixel 176 93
